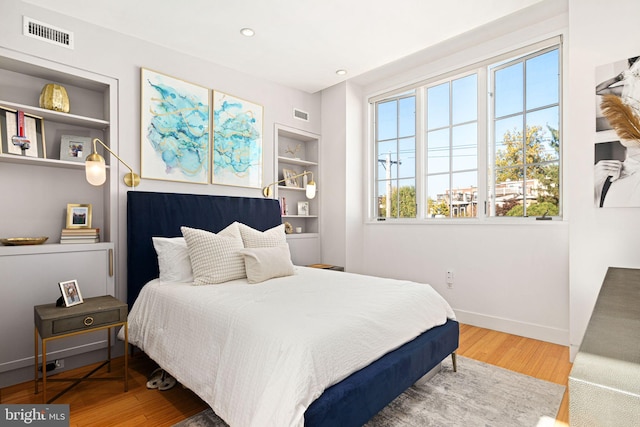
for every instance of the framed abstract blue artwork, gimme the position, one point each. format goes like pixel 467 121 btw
pixel 237 141
pixel 175 117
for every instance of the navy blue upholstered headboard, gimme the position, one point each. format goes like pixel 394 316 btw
pixel 162 214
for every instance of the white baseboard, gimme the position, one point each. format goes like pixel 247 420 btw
pixel 528 330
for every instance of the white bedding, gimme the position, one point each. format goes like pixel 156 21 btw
pixel 260 354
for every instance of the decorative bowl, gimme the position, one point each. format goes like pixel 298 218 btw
pixel 19 241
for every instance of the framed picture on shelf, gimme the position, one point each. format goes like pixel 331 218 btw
pixel 290 181
pixel 78 216
pixel 70 293
pixel 74 148
pixel 303 208
pixel 32 131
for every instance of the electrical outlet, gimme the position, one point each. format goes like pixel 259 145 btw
pixel 50 367
pixel 450 278
pixel 59 363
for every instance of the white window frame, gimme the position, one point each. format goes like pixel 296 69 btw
pixel 484 129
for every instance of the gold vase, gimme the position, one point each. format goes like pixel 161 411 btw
pixel 54 97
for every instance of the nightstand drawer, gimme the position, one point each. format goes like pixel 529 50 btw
pixel 71 324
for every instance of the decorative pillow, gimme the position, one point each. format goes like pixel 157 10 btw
pixel 173 259
pixel 215 258
pixel 266 263
pixel 253 238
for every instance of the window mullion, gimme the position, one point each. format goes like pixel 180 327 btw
pixel 420 136
pixel 484 139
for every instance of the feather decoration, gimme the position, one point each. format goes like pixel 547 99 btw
pixel 621 117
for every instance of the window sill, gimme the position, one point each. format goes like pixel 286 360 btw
pixel 470 221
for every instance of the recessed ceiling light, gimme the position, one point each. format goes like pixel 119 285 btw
pixel 341 72
pixel 247 32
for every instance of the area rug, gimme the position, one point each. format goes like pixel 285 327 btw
pixel 478 394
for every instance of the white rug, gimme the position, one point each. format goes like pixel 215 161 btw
pixel 477 395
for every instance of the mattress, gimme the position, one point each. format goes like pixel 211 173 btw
pixel 260 354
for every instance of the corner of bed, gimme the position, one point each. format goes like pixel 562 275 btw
pixel 350 402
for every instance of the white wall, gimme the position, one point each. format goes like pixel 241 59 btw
pixel 600 33
pixel 342 184
pixel 104 52
pixel 333 177
pixel 509 277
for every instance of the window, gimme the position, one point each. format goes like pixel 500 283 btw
pixel 481 142
pixel 526 149
pixel 396 157
pixel 452 148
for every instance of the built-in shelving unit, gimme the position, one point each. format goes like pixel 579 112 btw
pixel 297 150
pixel 40 187
pixel 35 192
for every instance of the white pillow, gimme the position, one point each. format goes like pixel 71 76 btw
pixel 215 258
pixel 173 259
pixel 253 238
pixel 266 263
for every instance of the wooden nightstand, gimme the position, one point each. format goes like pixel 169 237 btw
pixel 94 314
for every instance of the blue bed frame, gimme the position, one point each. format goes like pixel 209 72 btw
pixel 351 402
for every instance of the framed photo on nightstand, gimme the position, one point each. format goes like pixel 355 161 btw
pixel 70 293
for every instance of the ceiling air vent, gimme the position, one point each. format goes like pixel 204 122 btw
pixel 300 115
pixel 45 32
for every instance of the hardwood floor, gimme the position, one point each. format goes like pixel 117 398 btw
pixel 104 403
pixel 539 359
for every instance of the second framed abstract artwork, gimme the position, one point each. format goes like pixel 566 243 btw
pixel 237 141
pixel 174 126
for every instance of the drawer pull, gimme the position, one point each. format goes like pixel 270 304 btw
pixel 88 321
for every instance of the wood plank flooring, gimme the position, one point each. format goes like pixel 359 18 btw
pixel 104 403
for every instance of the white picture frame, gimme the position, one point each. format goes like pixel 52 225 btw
pixel 303 208
pixel 70 293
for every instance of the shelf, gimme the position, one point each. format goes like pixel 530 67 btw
pixel 302 235
pixel 37 161
pixel 49 248
pixel 292 161
pixel 284 187
pixel 70 119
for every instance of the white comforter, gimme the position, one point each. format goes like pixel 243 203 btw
pixel 260 354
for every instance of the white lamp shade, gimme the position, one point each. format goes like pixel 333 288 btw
pixel 311 190
pixel 96 171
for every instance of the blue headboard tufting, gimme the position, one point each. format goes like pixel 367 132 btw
pixel 152 214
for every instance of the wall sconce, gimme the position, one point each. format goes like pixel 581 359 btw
pixel 96 170
pixel 311 185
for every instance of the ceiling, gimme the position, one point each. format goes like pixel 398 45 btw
pixel 297 43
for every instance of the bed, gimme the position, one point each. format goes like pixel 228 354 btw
pixel 351 401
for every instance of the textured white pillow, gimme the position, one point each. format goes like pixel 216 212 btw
pixel 266 263
pixel 215 258
pixel 173 259
pixel 253 238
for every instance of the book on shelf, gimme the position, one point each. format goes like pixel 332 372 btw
pixel 86 239
pixel 80 232
pixel 283 207
pixel 80 235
